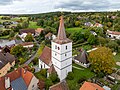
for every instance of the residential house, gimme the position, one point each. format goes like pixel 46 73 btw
pixel 38 31
pixel 60 86
pixel 27 44
pixel 6 62
pixel 41 84
pixel 91 86
pixel 19 79
pixel 98 25
pixel 113 34
pixel 89 24
pixel 82 59
pixel 24 32
pixel 3 43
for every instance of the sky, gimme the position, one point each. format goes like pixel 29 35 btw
pixel 43 6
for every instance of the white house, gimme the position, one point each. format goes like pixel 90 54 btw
pixel 113 34
pixel 60 55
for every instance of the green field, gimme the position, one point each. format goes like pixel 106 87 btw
pixel 33 25
pixel 76 29
pixel 79 74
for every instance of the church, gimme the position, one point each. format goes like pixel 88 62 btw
pixel 59 56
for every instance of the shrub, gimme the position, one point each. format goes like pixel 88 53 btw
pixel 43 72
pixel 70 76
pixel 54 77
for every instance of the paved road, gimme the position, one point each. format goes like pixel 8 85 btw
pixel 30 60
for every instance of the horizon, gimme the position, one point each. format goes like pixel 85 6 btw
pixel 46 6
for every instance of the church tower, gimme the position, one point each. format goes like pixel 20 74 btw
pixel 62 52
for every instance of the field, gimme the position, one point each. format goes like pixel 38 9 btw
pixel 76 29
pixel 33 25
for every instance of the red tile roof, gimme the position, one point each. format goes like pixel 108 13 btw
pixel 113 32
pixel 61 37
pixel 39 30
pixel 60 86
pixel 48 35
pixel 46 55
pixel 90 86
pixel 20 72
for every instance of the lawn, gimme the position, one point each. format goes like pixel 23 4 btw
pixel 33 25
pixel 76 29
pixel 117 57
pixel 79 74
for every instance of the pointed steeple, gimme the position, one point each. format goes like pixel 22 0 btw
pixel 61 37
pixel 61 31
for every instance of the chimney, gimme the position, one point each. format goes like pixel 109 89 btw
pixel 7 82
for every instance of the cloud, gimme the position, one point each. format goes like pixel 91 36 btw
pixel 87 4
pixel 7 2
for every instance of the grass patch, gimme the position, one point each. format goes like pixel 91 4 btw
pixel 39 52
pixel 79 74
pixel 75 29
pixel 33 25
pixel 117 57
pixel 4 37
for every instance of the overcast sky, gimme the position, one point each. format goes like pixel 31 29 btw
pixel 42 6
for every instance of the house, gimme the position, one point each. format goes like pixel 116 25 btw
pixel 89 24
pixel 6 62
pixel 113 34
pixel 82 59
pixel 27 44
pixel 59 55
pixel 19 79
pixel 50 36
pixel 91 86
pixel 3 43
pixel 60 86
pixel 41 84
pixel 38 31
pixel 24 32
pixel 32 31
pixel 98 25
pixel 93 33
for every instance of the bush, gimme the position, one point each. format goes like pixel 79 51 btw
pixel 48 83
pixel 54 77
pixel 43 72
pixel 70 76
pixel 81 80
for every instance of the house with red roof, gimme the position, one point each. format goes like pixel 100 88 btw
pixel 19 79
pixel 113 34
pixel 91 86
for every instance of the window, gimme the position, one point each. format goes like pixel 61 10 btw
pixel 66 47
pixel 32 86
pixel 55 47
pixel 65 54
pixel 55 54
pixel 58 48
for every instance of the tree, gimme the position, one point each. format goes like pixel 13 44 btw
pixel 43 72
pixel 21 60
pixel 29 38
pixel 77 23
pixel 102 60
pixel 17 50
pixel 25 24
pixel 48 83
pixel 113 45
pixel 92 39
pixel 12 34
pixel 54 77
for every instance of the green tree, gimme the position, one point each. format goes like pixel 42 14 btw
pixel 17 50
pixel 21 60
pixel 92 39
pixel 102 60
pixel 29 38
pixel 12 34
pixel 54 77
pixel 25 24
pixel 70 76
pixel 48 83
pixel 77 23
